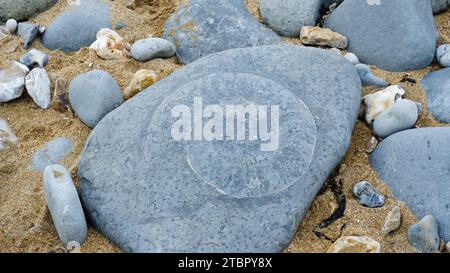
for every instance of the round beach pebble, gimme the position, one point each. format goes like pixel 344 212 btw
pixel 93 95
pixel 11 25
pixel 401 116
pixel 64 205
pixel 151 48
pixel 425 235
pixel 443 55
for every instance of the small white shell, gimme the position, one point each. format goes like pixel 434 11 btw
pixel 110 45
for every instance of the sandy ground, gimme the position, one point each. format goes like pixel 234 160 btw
pixel 25 223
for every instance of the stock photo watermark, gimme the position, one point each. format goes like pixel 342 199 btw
pixel 232 122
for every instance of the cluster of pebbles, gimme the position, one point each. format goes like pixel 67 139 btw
pixel 150 193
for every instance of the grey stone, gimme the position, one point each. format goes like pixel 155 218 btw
pixel 93 95
pixel 352 58
pixel 64 205
pixel 23 9
pixel 415 165
pixel 12 81
pixel 288 17
pixel 368 78
pixel 401 116
pixel 38 85
pixel 149 193
pixel 77 27
pixel 28 32
pixel 11 25
pixel 443 55
pixel 34 58
pixel 425 235
pixel 367 196
pixel 120 25
pixel 440 5
pixel 51 153
pixel 151 48
pixel 227 24
pixel 437 89
pixel 395 35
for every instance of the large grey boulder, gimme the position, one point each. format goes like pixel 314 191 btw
pixel 396 35
pixel 208 26
pixel 77 27
pixel 94 94
pixel 287 17
pixel 23 9
pixel 437 89
pixel 148 192
pixel 416 165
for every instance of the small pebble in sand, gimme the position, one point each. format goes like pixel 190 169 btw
pixel 60 100
pixel 401 116
pixel 6 134
pixel 42 30
pixel 368 78
pixel 38 87
pixel 120 25
pixel 34 58
pixel 141 80
pixel 443 55
pixel 322 37
pixel 367 196
pixel 393 221
pixel 380 101
pixel 151 48
pixel 64 204
pixel 28 32
pixel 425 235
pixel 11 25
pixel 51 153
pixel 110 45
pixel 372 144
pixel 355 244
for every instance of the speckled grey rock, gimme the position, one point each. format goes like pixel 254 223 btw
pixel 94 94
pixel 401 116
pixel 151 48
pixel 368 78
pixel 64 205
pixel 28 32
pixel 77 27
pixel 443 55
pixel 34 58
pixel 367 196
pixel 437 89
pixel 425 235
pixel 52 152
pixel 440 5
pixel 409 44
pixel 415 165
pixel 23 9
pixel 149 193
pixel 227 24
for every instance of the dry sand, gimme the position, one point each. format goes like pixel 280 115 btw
pixel 25 223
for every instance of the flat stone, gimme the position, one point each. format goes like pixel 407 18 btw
pixel 393 35
pixel 415 165
pixel 12 81
pixel 77 26
pixel 322 37
pixel 93 95
pixel 34 58
pixel 28 32
pixel 401 116
pixel 148 192
pixel 355 244
pixel 51 153
pixel 393 221
pixel 367 196
pixel 368 78
pixel 38 85
pixel 23 9
pixel 227 25
pixel 151 48
pixel 7 135
pixel 437 89
pixel 64 205
pixel 425 235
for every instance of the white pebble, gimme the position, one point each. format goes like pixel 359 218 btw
pixel 12 81
pixel 352 58
pixel 38 87
pixel 11 25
